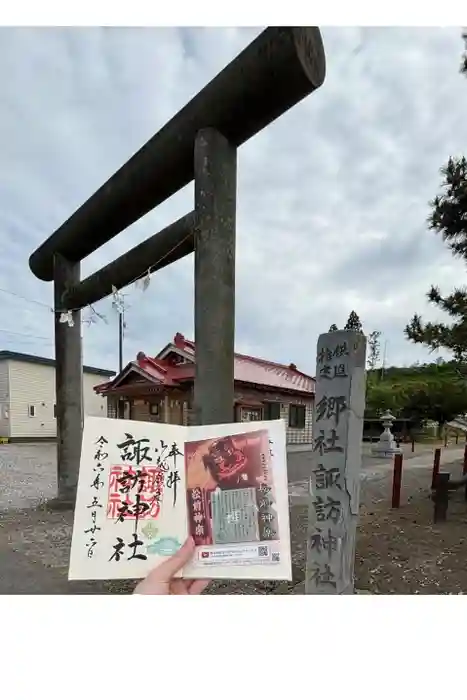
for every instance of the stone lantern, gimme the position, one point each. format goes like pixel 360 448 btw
pixel 386 445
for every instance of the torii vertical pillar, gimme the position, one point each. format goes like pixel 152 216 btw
pixel 68 383
pixel 215 216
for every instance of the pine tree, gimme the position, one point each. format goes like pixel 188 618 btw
pixel 333 328
pixel 449 219
pixel 353 323
pixel 441 335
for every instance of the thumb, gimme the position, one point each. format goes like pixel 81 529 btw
pixel 165 571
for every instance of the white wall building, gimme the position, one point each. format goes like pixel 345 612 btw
pixel 27 396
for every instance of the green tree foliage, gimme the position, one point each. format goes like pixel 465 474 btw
pixel 433 391
pixel 440 400
pixel 353 323
pixel 452 336
pixel 333 328
pixel 383 396
pixel 448 218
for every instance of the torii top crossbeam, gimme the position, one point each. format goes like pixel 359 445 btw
pixel 277 70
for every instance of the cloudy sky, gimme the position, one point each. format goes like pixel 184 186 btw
pixel 332 198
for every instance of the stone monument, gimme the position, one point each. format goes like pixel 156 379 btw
pixel 337 459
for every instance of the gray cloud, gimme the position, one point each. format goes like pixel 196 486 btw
pixel 332 198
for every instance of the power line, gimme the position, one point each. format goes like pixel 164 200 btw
pixel 31 301
pixel 23 343
pixel 27 335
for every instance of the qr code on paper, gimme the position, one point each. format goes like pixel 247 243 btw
pixel 263 551
pixel 276 556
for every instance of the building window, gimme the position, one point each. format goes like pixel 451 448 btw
pixel 31 411
pixel 272 410
pixel 154 409
pixel 296 416
pixel 250 414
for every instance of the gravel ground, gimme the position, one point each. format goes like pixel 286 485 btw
pixel 28 471
pixel 398 552
pixel 402 551
pixel 34 551
pixel 299 461
pixel 28 474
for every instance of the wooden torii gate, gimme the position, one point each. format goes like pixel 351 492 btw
pixel 276 71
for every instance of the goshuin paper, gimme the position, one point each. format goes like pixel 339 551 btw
pixel 144 487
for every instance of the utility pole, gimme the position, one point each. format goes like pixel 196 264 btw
pixel 121 325
pixel 121 328
pixel 383 366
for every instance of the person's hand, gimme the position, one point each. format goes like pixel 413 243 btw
pixel 161 581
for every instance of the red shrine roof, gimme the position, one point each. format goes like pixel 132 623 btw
pixel 174 365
